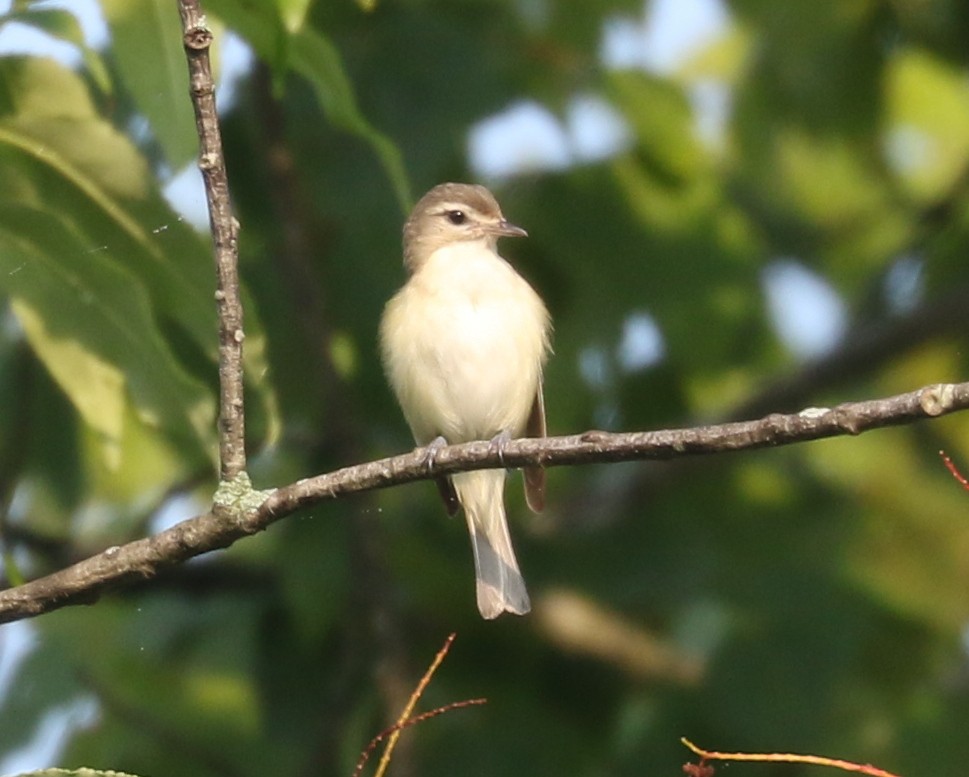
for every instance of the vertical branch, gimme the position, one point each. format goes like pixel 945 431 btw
pixel 197 38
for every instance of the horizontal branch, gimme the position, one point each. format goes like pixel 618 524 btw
pixel 83 582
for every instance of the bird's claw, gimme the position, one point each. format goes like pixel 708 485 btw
pixel 498 443
pixel 431 451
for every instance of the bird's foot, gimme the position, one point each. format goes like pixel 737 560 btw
pixel 431 450
pixel 498 443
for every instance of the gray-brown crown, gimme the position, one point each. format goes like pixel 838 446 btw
pixel 449 213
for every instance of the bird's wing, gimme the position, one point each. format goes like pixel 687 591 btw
pixel 535 475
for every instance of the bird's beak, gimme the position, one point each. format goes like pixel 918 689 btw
pixel 507 229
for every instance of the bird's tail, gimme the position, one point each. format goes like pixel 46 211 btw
pixel 500 585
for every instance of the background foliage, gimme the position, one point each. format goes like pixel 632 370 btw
pixel 808 599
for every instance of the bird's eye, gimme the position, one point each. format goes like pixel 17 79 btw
pixel 456 217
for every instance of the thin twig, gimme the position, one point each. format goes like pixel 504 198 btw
pixel 455 705
pixel 197 39
pixel 412 702
pixel 405 720
pixel 85 581
pixel 791 758
pixel 867 348
pixel 954 470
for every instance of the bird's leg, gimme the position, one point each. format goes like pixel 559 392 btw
pixel 498 443
pixel 444 484
pixel 431 451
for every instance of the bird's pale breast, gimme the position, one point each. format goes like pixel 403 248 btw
pixel 464 343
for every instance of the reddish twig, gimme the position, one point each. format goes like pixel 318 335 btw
pixel 456 705
pixel 405 720
pixel 698 770
pixel 793 758
pixel 954 470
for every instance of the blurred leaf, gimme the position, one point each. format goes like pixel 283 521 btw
pixel 90 321
pixel 825 179
pixel 64 25
pixel 57 147
pixel 143 476
pixel 318 61
pixel 315 577
pixel 147 41
pixel 311 55
pixel 96 387
pixel 113 218
pixel 928 123
pixel 662 123
pixel 935 24
pixel 198 656
pixel 45 680
pixel 722 60
pixel 261 24
pixel 50 428
pixel 293 13
pixel 85 314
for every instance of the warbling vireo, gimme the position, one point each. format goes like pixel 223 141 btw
pixel 464 343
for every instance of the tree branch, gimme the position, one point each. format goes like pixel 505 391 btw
pixel 866 348
pixel 225 234
pixel 85 581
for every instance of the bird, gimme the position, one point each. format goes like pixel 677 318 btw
pixel 464 344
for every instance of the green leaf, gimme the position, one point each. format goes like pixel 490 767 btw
pixel 56 148
pixel 260 24
pixel 293 13
pixel 661 120
pixel 928 116
pixel 318 61
pixel 45 679
pixel 147 41
pixel 95 386
pixel 90 322
pixel 94 279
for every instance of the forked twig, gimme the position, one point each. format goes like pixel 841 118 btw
pixel 397 727
pixel 405 720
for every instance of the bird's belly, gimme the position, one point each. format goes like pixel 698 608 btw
pixel 464 343
pixel 488 374
pixel 480 369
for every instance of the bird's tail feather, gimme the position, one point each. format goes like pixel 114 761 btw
pixel 500 586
